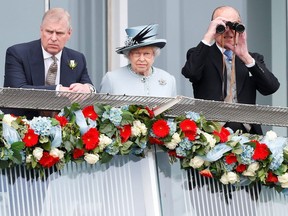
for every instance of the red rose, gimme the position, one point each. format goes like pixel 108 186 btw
pixel 77 153
pixel 172 153
pixel 91 139
pixel 261 151
pixel 206 173
pixel 151 112
pixel 241 168
pixel 125 133
pixel 160 128
pixel 231 158
pixel 153 140
pixel 48 160
pixel 89 112
pixel 191 135
pixel 30 139
pixel 62 120
pixel 189 128
pixel 271 178
pixel 223 134
pixel 188 125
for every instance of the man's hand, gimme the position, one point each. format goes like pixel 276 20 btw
pixel 241 49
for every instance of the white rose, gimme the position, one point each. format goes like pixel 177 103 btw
pixel 210 139
pixel 283 178
pixel 271 135
pixel 176 138
pixel 29 158
pixel 38 153
pixel 253 167
pixel 171 145
pixel 7 118
pixel 196 162
pixel 138 128
pixel 135 131
pixel 224 179
pixel 285 149
pixel 91 158
pixel 232 177
pixel 143 129
pixel 57 153
pixel 248 173
pixel 104 141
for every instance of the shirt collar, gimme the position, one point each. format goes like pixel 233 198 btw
pixel 47 55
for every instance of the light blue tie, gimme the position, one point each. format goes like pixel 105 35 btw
pixel 228 54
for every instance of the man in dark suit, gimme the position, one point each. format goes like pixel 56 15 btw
pixel 27 64
pixel 217 77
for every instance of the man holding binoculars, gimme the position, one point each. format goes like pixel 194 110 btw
pixel 234 79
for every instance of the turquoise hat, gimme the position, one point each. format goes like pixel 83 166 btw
pixel 140 36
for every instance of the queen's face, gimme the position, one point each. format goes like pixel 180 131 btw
pixel 142 59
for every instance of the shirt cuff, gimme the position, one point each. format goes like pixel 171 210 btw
pixel 206 43
pixel 251 64
pixel 91 87
pixel 58 87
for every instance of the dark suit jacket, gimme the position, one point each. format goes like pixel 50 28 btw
pixel 24 68
pixel 204 68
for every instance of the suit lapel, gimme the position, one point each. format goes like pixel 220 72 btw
pixel 66 75
pixel 37 65
pixel 216 57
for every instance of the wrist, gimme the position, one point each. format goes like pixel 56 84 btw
pixel 91 88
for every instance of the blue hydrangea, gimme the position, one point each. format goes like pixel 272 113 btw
pixel 114 115
pixel 5 154
pixel 229 167
pixel 185 144
pixel 41 125
pixel 152 134
pixel 181 152
pixel 241 139
pixel 277 160
pixel 246 155
pixel 112 149
pixel 142 145
pixel 125 107
pixel 137 151
pixel 172 126
pixel 192 115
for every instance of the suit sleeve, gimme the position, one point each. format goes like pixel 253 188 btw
pixel 265 80
pixel 17 71
pixel 195 62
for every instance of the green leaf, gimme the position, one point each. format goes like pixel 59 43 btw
pixel 17 157
pixel 125 149
pixel 127 118
pixel 105 157
pixel 107 128
pixel 17 146
pixel 4 164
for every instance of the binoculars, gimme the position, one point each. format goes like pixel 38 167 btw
pixel 238 27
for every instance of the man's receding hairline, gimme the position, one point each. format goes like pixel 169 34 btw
pixel 221 8
pixel 57 14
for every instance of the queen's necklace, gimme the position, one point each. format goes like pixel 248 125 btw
pixel 142 78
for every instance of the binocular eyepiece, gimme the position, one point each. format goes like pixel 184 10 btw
pixel 238 27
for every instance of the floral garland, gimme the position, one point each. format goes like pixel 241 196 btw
pixel 98 132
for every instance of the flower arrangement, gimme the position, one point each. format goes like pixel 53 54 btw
pixel 96 133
